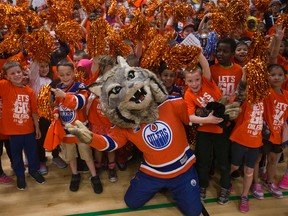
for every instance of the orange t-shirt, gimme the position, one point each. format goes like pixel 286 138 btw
pixel 95 115
pixel 18 105
pixel 227 79
pixel 209 92
pixel 275 114
pixel 249 124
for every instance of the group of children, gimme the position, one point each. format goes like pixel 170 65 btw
pixel 221 74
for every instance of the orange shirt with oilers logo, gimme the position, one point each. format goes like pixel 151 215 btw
pixel 227 78
pixel 249 124
pixel 209 92
pixel 18 105
pixel 163 143
pixel 275 114
pixel 72 107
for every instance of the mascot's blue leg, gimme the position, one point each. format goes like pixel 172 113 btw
pixel 186 193
pixel 142 188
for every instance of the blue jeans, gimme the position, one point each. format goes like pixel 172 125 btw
pixel 184 189
pixel 26 142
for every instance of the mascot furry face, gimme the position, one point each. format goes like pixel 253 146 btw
pixel 128 95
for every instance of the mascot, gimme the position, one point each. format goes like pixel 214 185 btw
pixel 137 103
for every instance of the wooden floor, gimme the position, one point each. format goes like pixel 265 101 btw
pixel 54 197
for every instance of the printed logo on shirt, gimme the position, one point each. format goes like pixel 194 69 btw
pixel 278 117
pixel 256 119
pixel 158 135
pixel 227 85
pixel 66 115
pixel 205 99
pixel 21 109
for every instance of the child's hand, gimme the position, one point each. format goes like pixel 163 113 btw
pixel 56 116
pixel 58 92
pixel 213 119
pixel 38 133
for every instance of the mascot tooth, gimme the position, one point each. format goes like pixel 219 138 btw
pixel 135 100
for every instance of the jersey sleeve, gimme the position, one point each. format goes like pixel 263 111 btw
pixel 77 101
pixel 116 138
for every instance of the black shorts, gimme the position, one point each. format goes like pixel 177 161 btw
pixel 270 147
pixel 240 152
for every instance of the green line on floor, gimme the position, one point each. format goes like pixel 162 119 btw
pixel 158 206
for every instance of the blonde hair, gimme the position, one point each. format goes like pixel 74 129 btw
pixel 192 69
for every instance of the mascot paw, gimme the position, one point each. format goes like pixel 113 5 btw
pixel 80 131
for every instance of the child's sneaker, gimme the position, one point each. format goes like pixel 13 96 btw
pixel 244 204
pixel 96 184
pixel 257 191
pixel 273 188
pixel 112 175
pixel 21 183
pixel 43 169
pixel 224 196
pixel 59 162
pixel 75 182
pixel 202 193
pixel 4 179
pixel 38 177
pixel 284 183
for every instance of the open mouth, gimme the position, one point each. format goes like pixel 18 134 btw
pixel 139 96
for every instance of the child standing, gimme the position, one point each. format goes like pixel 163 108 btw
pixel 168 77
pixel 41 74
pixel 275 115
pixel 246 140
pixel 202 90
pixel 99 123
pixel 69 107
pixel 225 73
pixel 19 105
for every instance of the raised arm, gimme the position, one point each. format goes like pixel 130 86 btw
pixel 205 67
pixel 275 43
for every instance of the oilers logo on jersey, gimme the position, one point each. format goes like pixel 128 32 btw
pixel 67 115
pixel 158 135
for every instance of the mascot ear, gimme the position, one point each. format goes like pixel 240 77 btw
pixel 122 62
pixel 95 88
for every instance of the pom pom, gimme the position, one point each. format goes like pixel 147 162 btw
pixel 152 6
pixel 69 32
pixel 259 47
pixel 138 28
pixel 96 40
pixel 262 5
pixel 45 108
pixel 40 45
pixel 181 56
pixel 258 86
pixel 152 57
pixel 11 44
pixel 112 11
pixel 80 76
pixel 117 46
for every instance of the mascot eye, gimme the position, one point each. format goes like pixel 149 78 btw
pixel 115 90
pixel 131 75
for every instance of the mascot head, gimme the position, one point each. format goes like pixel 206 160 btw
pixel 128 95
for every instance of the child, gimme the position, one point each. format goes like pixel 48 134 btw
pixel 41 74
pixel 275 115
pixel 78 55
pixel 225 73
pixel 246 140
pixel 20 122
pixel 168 77
pixel 241 52
pixel 99 123
pixel 69 107
pixel 202 90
